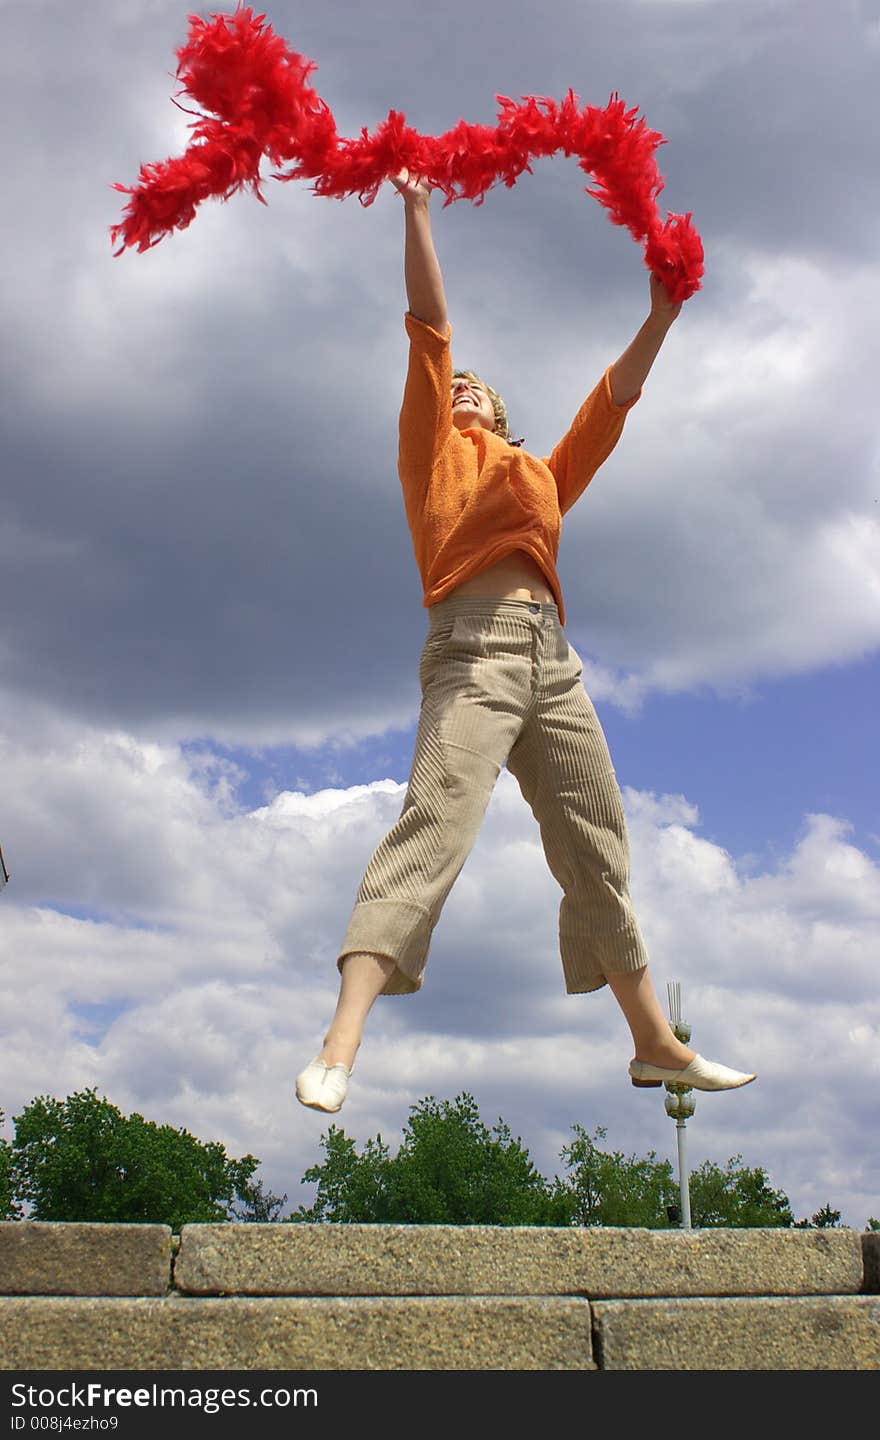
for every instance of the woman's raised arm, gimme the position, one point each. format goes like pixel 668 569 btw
pixel 629 373
pixel 424 281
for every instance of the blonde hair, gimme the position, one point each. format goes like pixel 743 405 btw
pixel 502 423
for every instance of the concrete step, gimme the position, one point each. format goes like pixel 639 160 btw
pixel 487 1332
pixel 47 1257
pixel 514 1260
pixel 828 1332
pixel 434 1297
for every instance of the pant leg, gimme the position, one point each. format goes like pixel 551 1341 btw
pixel 562 764
pixel 475 672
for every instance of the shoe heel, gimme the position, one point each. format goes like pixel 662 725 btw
pixel 648 1084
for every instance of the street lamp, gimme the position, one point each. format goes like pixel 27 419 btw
pixel 680 1101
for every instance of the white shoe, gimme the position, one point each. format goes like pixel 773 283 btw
pixel 322 1086
pixel 700 1074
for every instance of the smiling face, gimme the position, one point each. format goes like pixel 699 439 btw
pixel 471 404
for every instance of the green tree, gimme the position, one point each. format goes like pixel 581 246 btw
pixel 449 1170
pixel 258 1208
pixel 824 1219
pixel 82 1159
pixel 351 1187
pixel 9 1210
pixel 606 1188
pixel 736 1197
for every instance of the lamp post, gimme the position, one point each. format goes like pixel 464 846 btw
pixel 680 1102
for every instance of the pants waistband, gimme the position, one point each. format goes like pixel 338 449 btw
pixel 474 605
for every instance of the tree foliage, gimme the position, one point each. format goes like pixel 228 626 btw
pixel 824 1219
pixel 9 1210
pixel 82 1159
pixel 736 1196
pixel 449 1170
pixel 607 1188
pixel 258 1208
pixel 351 1187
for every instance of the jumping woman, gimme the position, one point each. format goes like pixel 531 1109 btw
pixel 500 685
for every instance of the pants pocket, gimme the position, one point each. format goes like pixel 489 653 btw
pixel 433 651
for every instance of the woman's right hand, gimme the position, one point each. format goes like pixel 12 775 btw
pixel 411 186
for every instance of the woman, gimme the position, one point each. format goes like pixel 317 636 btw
pixel 500 685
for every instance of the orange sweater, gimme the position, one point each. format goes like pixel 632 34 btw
pixel 471 498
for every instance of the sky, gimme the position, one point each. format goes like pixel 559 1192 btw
pixel 213 615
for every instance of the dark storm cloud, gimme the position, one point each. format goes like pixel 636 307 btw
pixel 202 522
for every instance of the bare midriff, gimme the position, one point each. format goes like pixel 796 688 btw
pixel 516 577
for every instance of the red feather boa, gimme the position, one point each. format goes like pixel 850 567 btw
pixel 258 90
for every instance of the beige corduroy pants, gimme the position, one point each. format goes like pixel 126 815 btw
pixel 501 685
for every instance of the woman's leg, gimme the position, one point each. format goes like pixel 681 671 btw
pixel 653 1038
pixel 475 677
pixel 362 979
pixel 565 772
pixel 562 765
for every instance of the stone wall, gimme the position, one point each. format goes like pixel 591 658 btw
pixel 435 1297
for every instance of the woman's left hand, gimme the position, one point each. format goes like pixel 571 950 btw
pixel 662 307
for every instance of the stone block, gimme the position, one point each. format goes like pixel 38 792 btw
pixel 47 1257
pixel 358 1333
pixel 294 1259
pixel 837 1332
pixel 871 1261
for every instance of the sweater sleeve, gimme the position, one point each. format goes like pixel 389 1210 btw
pixel 426 414
pixel 589 441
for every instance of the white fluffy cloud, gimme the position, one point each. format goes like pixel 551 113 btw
pixel 743 495
pixel 210 978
